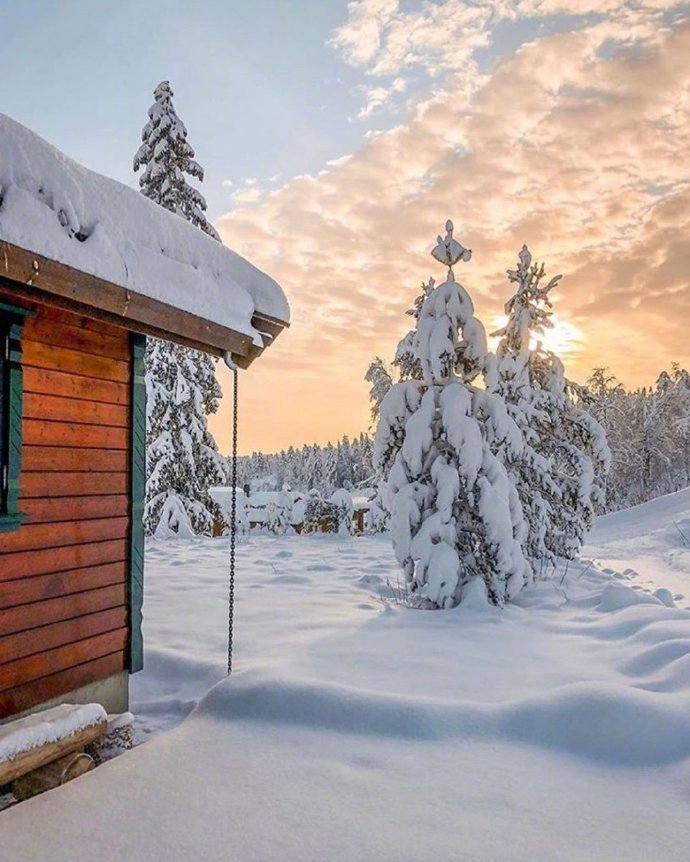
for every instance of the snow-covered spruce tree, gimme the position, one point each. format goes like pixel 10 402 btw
pixel 166 156
pixel 560 473
pixel 182 457
pixel 454 512
pixel 520 369
pixel 182 460
pixel 583 460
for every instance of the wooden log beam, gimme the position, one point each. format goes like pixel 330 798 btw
pixel 52 775
pixel 35 758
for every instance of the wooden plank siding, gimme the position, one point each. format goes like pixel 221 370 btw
pixel 64 574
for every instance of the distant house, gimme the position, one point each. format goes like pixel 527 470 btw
pixel 361 503
pixel 88 269
pixel 263 508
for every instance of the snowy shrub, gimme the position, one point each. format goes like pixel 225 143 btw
pixel 377 518
pixel 342 500
pixel 455 514
pixel 173 523
pixel 319 515
pixel 223 497
pixel 278 513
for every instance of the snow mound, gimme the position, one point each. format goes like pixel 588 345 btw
pixel 675 676
pixel 596 721
pixel 54 207
pixel 657 657
pixel 615 598
pixel 665 597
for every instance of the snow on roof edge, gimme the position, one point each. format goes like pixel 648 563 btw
pixel 52 206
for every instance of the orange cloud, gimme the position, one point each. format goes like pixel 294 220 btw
pixel 579 152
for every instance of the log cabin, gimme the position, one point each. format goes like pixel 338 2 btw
pixel 88 269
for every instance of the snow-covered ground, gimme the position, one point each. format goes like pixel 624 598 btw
pixel 353 729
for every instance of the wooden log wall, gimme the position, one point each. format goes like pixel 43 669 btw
pixel 63 573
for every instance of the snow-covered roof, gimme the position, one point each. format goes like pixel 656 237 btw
pixel 54 207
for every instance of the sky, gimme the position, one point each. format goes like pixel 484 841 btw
pixel 338 137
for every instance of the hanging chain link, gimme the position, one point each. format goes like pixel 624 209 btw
pixel 233 522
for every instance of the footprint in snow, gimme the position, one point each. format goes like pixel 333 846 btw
pixel 290 579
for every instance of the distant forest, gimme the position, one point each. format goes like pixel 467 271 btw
pixel 648 432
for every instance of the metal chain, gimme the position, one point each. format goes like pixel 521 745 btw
pixel 233 521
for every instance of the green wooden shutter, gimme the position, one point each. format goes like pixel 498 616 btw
pixel 11 325
pixel 137 465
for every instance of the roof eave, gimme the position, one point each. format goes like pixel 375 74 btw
pixel 39 278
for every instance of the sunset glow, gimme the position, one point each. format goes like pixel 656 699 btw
pixel 563 338
pixel 563 124
pixel 525 148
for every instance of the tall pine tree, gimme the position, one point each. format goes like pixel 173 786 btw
pixel 166 156
pixel 560 473
pixel 518 379
pixel 182 458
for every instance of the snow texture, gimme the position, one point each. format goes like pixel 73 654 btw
pixel 555 728
pixel 56 208
pixel 47 726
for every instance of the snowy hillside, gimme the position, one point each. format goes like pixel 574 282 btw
pixel 652 539
pixel 558 728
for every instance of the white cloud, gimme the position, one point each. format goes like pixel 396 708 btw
pixel 576 153
pixel 377 97
pixel 247 195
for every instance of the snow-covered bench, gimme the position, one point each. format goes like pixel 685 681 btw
pixel 54 736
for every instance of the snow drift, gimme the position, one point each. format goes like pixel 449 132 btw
pixel 558 727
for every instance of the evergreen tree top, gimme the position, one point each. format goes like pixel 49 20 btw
pixel 448 250
pixel 166 156
pixel 528 309
pixel 449 342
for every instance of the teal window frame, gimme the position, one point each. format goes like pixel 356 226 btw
pixel 137 491
pixel 11 391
